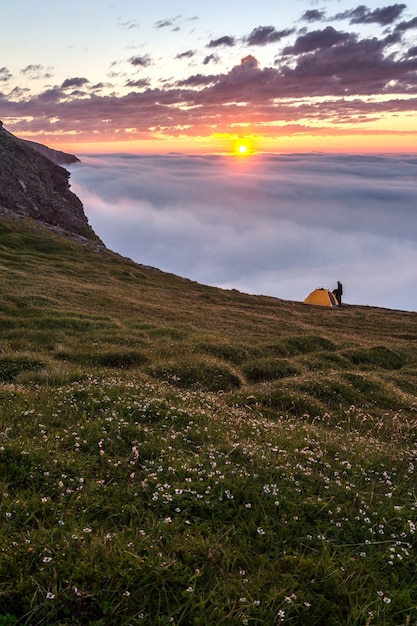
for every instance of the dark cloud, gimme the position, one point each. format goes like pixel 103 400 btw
pixel 222 41
pixel 404 26
pixel 277 225
pixel 74 82
pixel 362 15
pixel 50 96
pixel 318 39
pixel 141 61
pixel 141 83
pixel 355 67
pixel 263 35
pixel 211 58
pixel 5 75
pixel 412 52
pixel 313 16
pixel 197 80
pixel 19 92
pixel 188 54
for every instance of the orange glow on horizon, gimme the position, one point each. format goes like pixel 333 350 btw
pixel 241 147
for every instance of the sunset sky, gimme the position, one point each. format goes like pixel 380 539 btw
pixel 192 77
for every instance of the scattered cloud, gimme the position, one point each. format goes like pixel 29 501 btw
pixel 167 23
pixel 313 15
pixel 5 75
pixel 141 61
pixel 197 80
pixel 36 71
pixel 188 54
pixel 163 23
pixel 129 25
pixel 263 35
pixel 226 40
pixel 74 82
pixel 277 225
pixel 404 26
pixel 211 58
pixel 141 83
pixel 362 15
pixel 318 39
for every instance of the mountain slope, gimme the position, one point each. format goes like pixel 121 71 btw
pixel 175 451
pixel 56 156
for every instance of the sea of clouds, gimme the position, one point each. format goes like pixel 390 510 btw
pixel 278 225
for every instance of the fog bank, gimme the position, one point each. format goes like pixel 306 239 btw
pixel 278 225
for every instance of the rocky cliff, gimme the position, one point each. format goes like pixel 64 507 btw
pixel 32 185
pixel 56 156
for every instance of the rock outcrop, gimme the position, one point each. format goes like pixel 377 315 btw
pixel 31 185
pixel 56 156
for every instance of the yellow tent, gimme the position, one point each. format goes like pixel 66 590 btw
pixel 321 297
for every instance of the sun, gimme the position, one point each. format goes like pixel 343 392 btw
pixel 242 146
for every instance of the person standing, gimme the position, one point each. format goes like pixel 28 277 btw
pixel 338 292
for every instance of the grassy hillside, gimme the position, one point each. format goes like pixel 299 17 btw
pixel 172 453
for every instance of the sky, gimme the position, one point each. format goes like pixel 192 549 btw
pixel 266 146
pixel 308 75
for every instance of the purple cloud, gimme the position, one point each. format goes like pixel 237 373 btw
pixel 318 39
pixel 188 54
pixel 222 41
pixel 211 58
pixel 141 83
pixel 313 16
pixel 74 82
pixel 197 80
pixel 141 61
pixel 362 15
pixel 404 26
pixel 263 35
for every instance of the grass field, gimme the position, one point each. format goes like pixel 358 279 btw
pixel 171 453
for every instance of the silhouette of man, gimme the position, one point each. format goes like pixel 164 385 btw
pixel 338 293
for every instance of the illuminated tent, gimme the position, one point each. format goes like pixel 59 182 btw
pixel 321 297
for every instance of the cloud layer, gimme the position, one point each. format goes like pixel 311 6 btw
pixel 274 225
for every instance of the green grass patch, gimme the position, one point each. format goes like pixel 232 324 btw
pixel 198 375
pixel 113 358
pixel 378 356
pixel 12 366
pixel 268 369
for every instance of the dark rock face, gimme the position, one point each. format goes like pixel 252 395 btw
pixel 31 185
